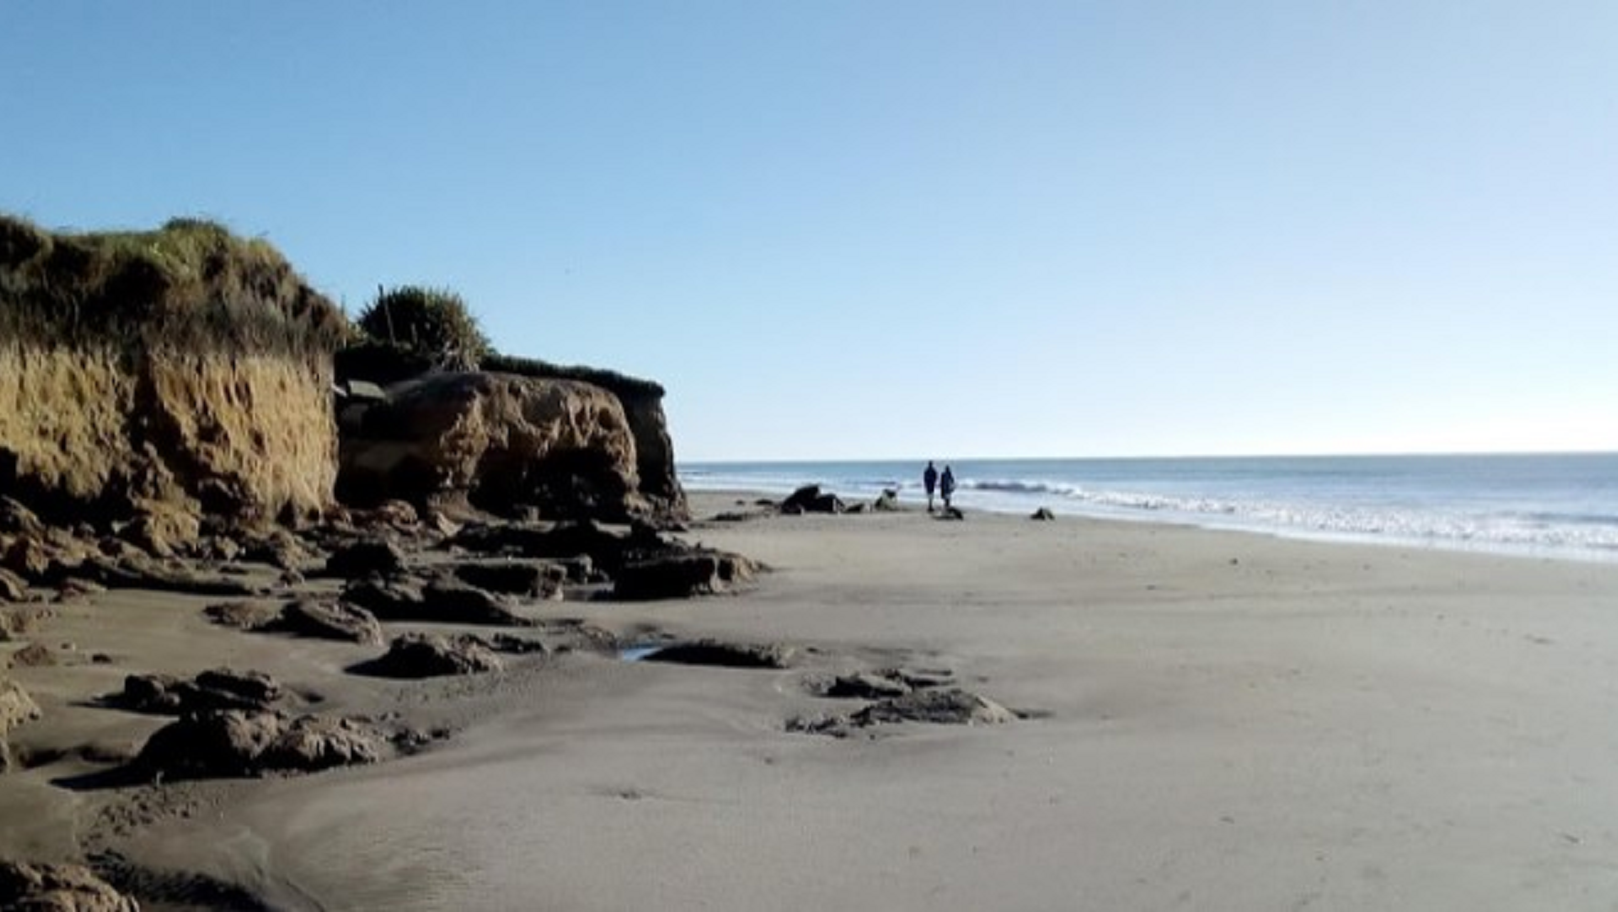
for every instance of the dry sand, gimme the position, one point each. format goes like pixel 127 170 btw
pixel 1217 721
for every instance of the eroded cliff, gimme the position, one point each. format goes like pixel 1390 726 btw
pixel 179 373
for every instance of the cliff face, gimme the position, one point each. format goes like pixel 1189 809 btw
pixel 642 402
pixel 90 435
pixel 496 442
pixel 182 373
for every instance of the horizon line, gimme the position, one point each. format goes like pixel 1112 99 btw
pixel 1388 454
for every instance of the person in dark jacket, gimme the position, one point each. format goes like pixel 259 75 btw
pixel 946 485
pixel 929 480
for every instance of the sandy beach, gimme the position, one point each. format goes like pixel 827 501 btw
pixel 1209 720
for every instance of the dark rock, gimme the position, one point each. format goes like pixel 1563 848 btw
pixel 329 621
pixel 219 689
pixel 886 502
pixel 388 601
pixel 397 513
pixel 365 558
pixel 810 499
pixel 28 557
pixel 446 600
pixel 950 706
pixel 238 743
pixel 418 655
pixel 725 655
pixel 29 887
pixel 512 578
pixel 577 569
pixel 681 575
pixel 567 540
pixel 242 615
pixel 16 519
pixel 1043 514
pixel 281 549
pixel 142 575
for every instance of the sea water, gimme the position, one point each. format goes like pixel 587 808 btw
pixel 1556 505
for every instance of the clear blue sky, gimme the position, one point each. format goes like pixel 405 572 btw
pixel 845 228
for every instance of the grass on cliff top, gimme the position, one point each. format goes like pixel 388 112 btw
pixel 190 285
pixel 620 384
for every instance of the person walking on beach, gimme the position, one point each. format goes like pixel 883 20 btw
pixel 929 480
pixel 946 485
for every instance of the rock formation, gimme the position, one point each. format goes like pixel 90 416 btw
pixel 428 655
pixel 58 888
pixel 237 743
pixel 496 442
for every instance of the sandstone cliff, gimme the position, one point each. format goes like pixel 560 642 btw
pixel 176 373
pixel 386 454
pixel 496 442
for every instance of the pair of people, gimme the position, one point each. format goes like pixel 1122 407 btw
pixel 945 484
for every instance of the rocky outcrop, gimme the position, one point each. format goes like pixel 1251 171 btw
pixel 681 574
pixel 29 887
pixel 497 442
pixel 153 379
pixel 642 402
pixel 328 621
pixel 810 499
pixel 222 688
pixel 238 743
pixel 532 579
pixel 940 706
pixel 725 655
pixel 425 655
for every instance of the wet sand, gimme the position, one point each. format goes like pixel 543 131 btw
pixel 1214 720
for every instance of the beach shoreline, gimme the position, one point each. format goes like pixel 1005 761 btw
pixel 1211 719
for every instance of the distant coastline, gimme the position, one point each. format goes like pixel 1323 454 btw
pixel 1558 505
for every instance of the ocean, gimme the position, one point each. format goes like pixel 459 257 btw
pixel 1552 505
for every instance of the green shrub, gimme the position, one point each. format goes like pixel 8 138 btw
pixel 430 322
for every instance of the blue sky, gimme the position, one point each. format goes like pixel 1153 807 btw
pixel 899 229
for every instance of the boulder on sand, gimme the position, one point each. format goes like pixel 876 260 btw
pixel 211 690
pixel 681 574
pixel 240 743
pixel 328 620
pixel 58 888
pixel 810 499
pixel 426 655
pixel 725 655
pixel 365 558
pixel 513 577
